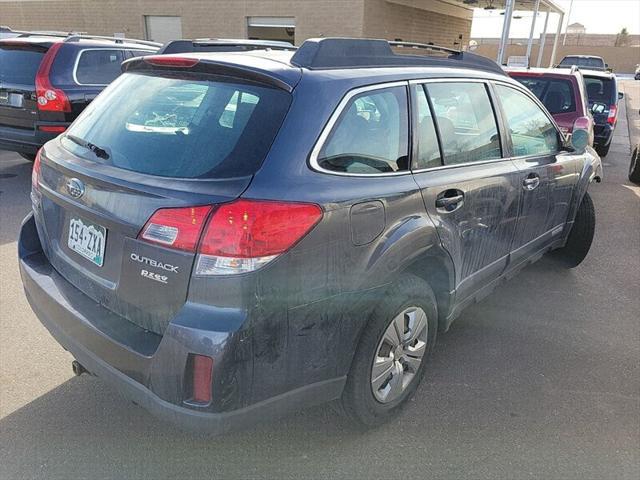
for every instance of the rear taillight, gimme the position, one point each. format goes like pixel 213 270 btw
pixel 178 228
pixel 239 237
pixel 50 99
pixel 52 128
pixel 613 115
pixel 171 61
pixel 35 172
pixel 244 235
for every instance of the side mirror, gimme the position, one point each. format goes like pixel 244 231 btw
pixel 580 134
pixel 620 95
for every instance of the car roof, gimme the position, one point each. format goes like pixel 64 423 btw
pixel 276 66
pixel 583 56
pixel 598 73
pixel 48 40
pixel 563 72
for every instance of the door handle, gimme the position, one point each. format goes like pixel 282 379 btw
pixel 531 182
pixel 450 200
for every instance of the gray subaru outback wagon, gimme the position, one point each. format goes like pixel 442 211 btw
pixel 226 237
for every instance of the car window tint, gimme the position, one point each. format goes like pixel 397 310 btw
pixel 24 62
pixel 556 94
pixel 182 125
pixel 98 67
pixel 601 90
pixel 139 53
pixel 426 141
pixel 532 133
pixel 371 134
pixel 466 122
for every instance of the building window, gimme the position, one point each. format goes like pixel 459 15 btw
pixel 271 28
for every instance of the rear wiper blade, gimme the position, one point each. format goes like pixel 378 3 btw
pixel 98 151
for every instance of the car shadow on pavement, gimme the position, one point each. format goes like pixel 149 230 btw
pixel 15 202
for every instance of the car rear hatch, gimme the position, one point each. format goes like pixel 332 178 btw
pixel 20 61
pixel 125 193
pixel 602 90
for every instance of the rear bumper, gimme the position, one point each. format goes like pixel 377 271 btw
pixel 144 367
pixel 26 141
pixel 603 135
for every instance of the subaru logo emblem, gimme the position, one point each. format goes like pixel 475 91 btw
pixel 75 187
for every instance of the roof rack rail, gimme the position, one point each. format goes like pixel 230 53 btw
pixel 48 33
pixel 332 53
pixel 201 44
pixel 77 37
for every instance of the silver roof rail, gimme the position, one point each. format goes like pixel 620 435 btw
pixel 425 46
pixel 77 37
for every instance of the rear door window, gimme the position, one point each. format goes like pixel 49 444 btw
pixel 180 125
pixel 466 122
pixel 98 67
pixel 427 150
pixel 556 94
pixel 532 133
pixel 24 62
pixel 371 134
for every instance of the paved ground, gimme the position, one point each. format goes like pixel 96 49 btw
pixel 540 380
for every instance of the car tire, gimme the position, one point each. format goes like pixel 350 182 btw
pixel 603 150
pixel 368 402
pixel 634 167
pixel 581 235
pixel 28 156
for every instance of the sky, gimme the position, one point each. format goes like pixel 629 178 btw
pixel 598 16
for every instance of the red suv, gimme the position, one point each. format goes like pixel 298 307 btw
pixel 561 91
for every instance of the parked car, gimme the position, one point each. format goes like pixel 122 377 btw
pixel 561 91
pixel 219 268
pixel 634 166
pixel 637 74
pixel 590 62
pixel 603 95
pixel 50 78
pixel 222 45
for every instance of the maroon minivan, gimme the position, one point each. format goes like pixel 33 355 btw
pixel 562 91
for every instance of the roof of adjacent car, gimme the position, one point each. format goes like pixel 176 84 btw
pixel 48 40
pixel 598 73
pixel 563 72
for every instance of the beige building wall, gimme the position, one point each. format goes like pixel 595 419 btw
pixel 391 20
pixel 228 18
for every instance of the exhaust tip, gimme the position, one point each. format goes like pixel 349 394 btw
pixel 77 368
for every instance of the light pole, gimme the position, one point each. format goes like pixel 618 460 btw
pixel 564 40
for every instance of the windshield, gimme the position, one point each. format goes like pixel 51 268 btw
pixel 24 64
pixel 180 126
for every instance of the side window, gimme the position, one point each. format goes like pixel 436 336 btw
pixel 466 122
pixel 371 134
pixel 138 53
pixel 98 67
pixel 425 138
pixel 532 133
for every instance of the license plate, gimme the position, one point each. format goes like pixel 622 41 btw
pixel 87 239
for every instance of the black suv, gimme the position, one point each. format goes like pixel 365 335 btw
pixel 603 95
pixel 48 78
pixel 225 237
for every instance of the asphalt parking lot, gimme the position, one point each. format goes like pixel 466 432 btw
pixel 540 380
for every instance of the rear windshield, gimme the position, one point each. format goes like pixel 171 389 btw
pixel 24 64
pixel 596 63
pixel 180 126
pixel 601 90
pixel 556 94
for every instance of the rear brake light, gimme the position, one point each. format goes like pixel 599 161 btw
pixel 171 61
pixel 613 115
pixel 244 235
pixel 35 172
pixel 178 228
pixel 50 99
